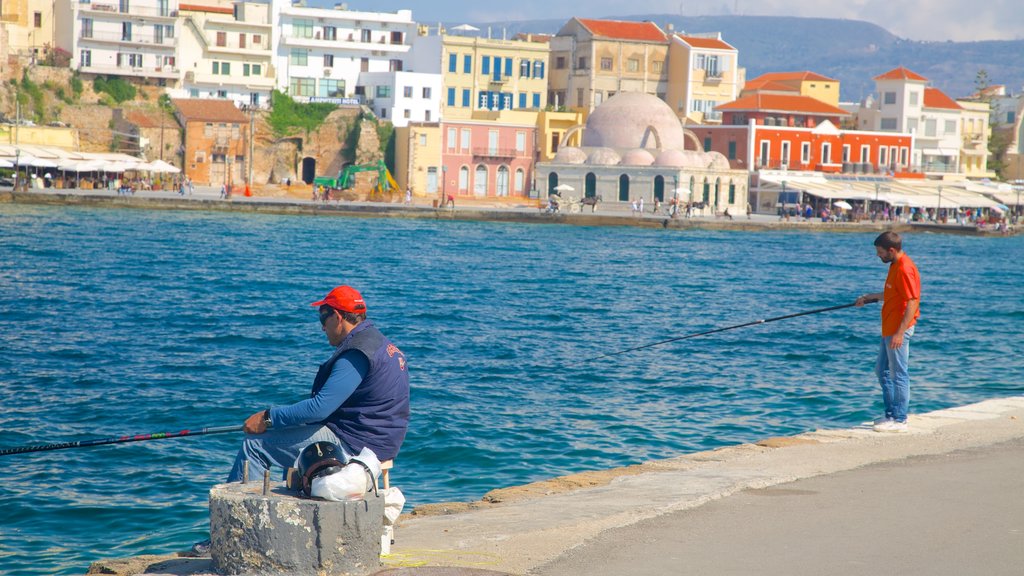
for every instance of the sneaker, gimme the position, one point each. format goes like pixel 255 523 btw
pixel 882 420
pixel 891 426
pixel 201 548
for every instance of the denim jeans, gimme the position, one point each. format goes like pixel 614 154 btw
pixel 279 447
pixel 894 377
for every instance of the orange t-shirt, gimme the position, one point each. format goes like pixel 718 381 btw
pixel 902 284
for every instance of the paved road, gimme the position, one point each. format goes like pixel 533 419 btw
pixel 957 514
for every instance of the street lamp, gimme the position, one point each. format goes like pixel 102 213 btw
pixel 17 165
pixel 939 207
pixel 444 185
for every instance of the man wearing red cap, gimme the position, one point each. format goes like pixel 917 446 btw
pixel 360 397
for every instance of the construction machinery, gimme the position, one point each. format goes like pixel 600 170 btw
pixel 347 178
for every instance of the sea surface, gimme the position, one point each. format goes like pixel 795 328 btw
pixel 116 322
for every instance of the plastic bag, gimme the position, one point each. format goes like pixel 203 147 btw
pixel 350 483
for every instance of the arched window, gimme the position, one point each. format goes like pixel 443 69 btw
pixel 552 182
pixel 502 183
pixel 707 192
pixel 732 192
pixel 590 185
pixel 464 179
pixel 718 190
pixel 624 188
pixel 659 188
pixel 480 181
pixel 520 180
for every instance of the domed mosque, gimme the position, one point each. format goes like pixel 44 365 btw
pixel 634 146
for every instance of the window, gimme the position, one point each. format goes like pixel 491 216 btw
pixel 913 98
pixel 582 63
pixel 765 150
pixel 85 58
pixel 222 93
pixel 397 38
pixel 805 153
pixel 257 39
pixel 257 69
pixel 407 114
pixel 508 67
pixel 222 38
pixel 193 93
pixel 889 98
pixel 169 31
pixel 904 152
pixel 332 88
pixel 365 36
pixel 485 65
pixel 225 68
pixel 464 143
pixel 395 65
pixel 522 99
pixel 536 99
pixel 126 31
pixel 407 92
pixel 480 180
pixel 538 69
pixel 846 153
pixel 657 66
pixel 579 96
pixel 929 127
pixel 383 91
pixel 124 7
pixel 524 68
pixel 241 40
pixel 426 93
pixel 299 57
pixel 560 63
pixel 464 178
pixel 467 64
pixel 520 180
pixel 467 95
pixel 826 153
pixel 888 124
pixel 707 143
pixel 364 64
pixel 882 155
pixel 451 139
pixel 453 62
pixel 502 181
pixel 606 64
pixel 865 153
pixel 37 19
pixel 86 28
pixel 301 86
pixel 633 65
pixel 451 96
pixel 784 156
pixel 330 33
pixel 732 150
pixel 328 60
pixel 950 126
pixel 521 142
pixel 302 28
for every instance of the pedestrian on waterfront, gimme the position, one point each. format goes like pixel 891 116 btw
pixel 640 206
pixel 657 206
pixel 451 201
pixel 359 399
pixel 750 209
pixel 901 298
pixel 223 191
pixel 408 195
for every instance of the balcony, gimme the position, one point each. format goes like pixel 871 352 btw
pixel 495 153
pixel 712 76
pixel 345 42
pixel 164 72
pixel 114 9
pixel 137 40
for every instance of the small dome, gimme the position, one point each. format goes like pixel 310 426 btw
pixel 570 155
pixel 681 159
pixel 638 157
pixel 603 157
pixel 717 161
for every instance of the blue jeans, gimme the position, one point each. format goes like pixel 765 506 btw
pixel 279 447
pixel 892 371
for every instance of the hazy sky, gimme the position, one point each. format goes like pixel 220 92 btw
pixel 913 19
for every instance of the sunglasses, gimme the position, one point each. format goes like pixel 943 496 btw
pixel 325 314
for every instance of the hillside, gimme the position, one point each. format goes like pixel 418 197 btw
pixel 852 51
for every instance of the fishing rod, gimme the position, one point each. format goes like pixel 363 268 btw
pixel 744 325
pixel 120 440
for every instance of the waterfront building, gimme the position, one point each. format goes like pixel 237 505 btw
pixel 225 52
pixel 489 158
pixel 321 53
pixel 134 39
pixel 151 135
pixel 403 97
pixel 483 74
pixel 217 141
pixel 703 73
pixel 907 104
pixel 634 146
pixel 29 28
pixel 975 132
pixel 1008 114
pixel 593 60
pixel 805 83
pixel 418 159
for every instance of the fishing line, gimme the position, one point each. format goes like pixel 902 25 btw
pixel 120 440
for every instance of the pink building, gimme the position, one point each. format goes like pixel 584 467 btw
pixel 484 159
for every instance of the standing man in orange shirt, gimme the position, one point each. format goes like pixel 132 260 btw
pixel 901 300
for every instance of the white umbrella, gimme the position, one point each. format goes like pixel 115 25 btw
pixel 465 28
pixel 564 188
pixel 843 204
pixel 34 162
pixel 160 166
pixel 6 163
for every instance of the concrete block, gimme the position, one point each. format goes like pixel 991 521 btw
pixel 282 534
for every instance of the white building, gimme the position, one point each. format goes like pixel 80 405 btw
pixel 403 97
pixel 322 52
pixel 225 52
pixel 907 104
pixel 130 38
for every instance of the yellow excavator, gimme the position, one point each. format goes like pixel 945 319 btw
pixel 347 178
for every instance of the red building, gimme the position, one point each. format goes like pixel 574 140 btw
pixel 487 159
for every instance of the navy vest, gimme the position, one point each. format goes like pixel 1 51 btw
pixel 376 415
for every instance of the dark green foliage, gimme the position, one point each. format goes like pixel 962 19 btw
pixel 76 86
pixel 288 116
pixel 30 96
pixel 118 89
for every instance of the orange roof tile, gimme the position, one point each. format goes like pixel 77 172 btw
pixel 763 85
pixel 783 103
pixel 622 30
pixel 935 98
pixel 201 8
pixel 901 73
pixel 805 76
pixel 706 43
pixel 142 119
pixel 209 110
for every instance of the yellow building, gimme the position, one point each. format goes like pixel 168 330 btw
pixel 975 132
pixel 29 26
pixel 593 60
pixel 816 86
pixel 552 127
pixel 703 73
pixel 418 158
pixel 66 138
pixel 485 73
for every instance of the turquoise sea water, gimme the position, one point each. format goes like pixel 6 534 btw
pixel 119 321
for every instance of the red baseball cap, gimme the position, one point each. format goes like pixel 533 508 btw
pixel 345 298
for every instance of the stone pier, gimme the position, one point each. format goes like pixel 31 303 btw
pixel 282 534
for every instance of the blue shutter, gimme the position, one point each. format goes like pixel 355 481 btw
pixel 466 95
pixel 486 67
pixel 508 67
pixel 522 99
pixel 467 64
pixel 453 60
pixel 540 65
pixel 451 96
pixel 536 100
pixel 497 68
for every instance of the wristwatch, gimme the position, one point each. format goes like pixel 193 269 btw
pixel 266 418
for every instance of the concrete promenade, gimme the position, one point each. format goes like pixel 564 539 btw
pixel 484 209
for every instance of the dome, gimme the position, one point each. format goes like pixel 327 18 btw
pixel 717 161
pixel 634 120
pixel 681 159
pixel 603 157
pixel 638 157
pixel 570 155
